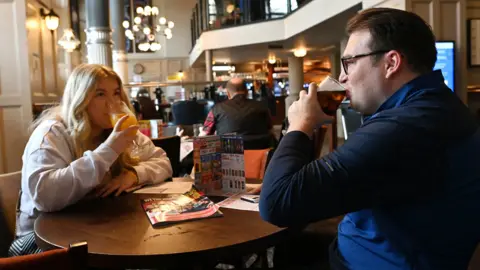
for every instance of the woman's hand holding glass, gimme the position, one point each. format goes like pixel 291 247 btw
pixel 120 111
pixel 120 139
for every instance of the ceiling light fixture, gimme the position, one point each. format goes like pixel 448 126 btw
pixel 146 28
pixel 300 52
pixel 272 59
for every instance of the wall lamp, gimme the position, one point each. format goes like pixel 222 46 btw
pixel 51 19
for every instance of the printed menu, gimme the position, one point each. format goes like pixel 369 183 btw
pixel 219 164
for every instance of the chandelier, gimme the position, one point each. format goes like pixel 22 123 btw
pixel 68 41
pixel 147 30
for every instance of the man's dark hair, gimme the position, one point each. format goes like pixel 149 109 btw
pixel 405 32
pixel 236 85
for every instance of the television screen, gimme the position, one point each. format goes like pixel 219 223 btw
pixel 446 61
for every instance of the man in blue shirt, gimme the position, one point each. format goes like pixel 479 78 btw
pixel 408 179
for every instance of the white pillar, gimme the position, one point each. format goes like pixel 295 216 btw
pixel 99 35
pixel 295 80
pixel 119 55
pixel 99 46
pixel 208 65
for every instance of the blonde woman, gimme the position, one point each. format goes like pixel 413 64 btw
pixel 73 151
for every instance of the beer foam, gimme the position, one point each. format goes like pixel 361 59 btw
pixel 330 84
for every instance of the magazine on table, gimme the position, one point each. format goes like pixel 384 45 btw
pixel 174 208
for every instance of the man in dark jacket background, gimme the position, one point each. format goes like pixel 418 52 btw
pixel 248 118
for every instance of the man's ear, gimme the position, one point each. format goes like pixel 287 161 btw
pixel 393 61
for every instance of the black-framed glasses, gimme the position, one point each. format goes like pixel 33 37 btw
pixel 346 60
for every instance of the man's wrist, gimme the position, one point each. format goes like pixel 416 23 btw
pixel 303 127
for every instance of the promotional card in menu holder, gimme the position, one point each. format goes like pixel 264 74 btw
pixel 207 160
pixel 219 164
pixel 233 164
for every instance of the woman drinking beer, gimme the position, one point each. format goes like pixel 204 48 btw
pixel 75 150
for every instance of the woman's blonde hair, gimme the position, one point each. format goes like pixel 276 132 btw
pixel 72 111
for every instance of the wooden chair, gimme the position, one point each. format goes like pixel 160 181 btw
pixel 72 258
pixel 9 193
pixel 256 162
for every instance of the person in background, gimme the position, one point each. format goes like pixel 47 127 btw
pixel 266 96
pixel 73 151
pixel 408 179
pixel 257 10
pixel 248 118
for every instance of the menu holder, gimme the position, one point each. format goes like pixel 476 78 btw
pixel 219 166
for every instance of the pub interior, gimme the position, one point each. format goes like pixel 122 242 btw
pixel 177 62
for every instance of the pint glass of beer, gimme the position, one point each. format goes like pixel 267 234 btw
pixel 330 93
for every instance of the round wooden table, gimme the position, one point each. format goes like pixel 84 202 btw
pixel 119 234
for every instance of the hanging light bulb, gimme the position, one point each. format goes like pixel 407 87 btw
pixel 162 20
pixel 152 47
pixel 158 28
pixel 147 31
pixel 125 24
pixel 147 11
pixel 171 24
pixel 139 10
pixel 144 46
pixel 154 11
pixel 169 36
pixel 135 28
pixel 129 34
pixel 155 46
pixel 151 37
pixel 137 20
pixel 167 31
